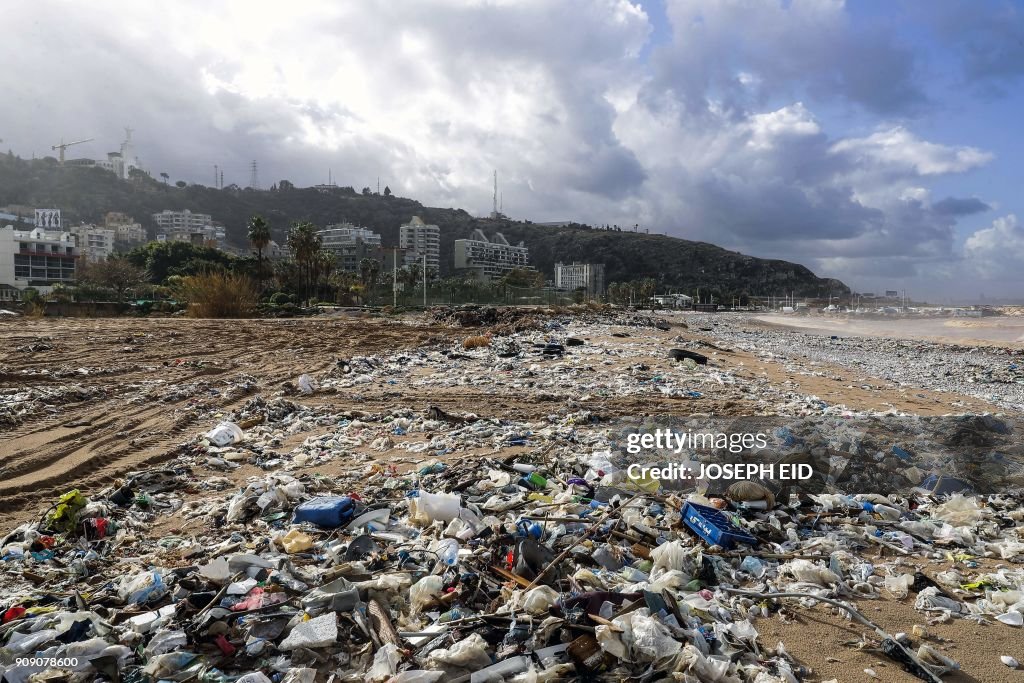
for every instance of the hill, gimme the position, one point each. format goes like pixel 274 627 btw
pixel 86 194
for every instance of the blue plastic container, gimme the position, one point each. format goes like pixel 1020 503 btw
pixel 714 527
pixel 327 511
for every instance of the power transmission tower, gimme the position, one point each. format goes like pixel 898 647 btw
pixel 216 176
pixel 254 178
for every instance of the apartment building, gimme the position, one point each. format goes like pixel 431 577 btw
pixel 126 229
pixel 183 221
pixel 489 259
pixel 350 245
pixel 94 243
pixel 576 276
pixel 35 258
pixel 419 239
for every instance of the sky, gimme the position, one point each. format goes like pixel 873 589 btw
pixel 874 141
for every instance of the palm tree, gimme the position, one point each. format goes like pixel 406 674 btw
pixel 305 244
pixel 259 236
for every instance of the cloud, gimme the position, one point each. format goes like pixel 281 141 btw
pixel 952 206
pixel 782 128
pixel 997 252
pixel 899 148
pixel 987 36
pixel 741 52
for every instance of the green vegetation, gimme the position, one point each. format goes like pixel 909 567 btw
pixel 86 194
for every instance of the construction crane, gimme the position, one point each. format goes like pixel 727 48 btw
pixel 64 145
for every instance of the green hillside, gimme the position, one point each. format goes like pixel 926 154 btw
pixel 86 194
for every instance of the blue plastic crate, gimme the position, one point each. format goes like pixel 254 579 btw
pixel 714 527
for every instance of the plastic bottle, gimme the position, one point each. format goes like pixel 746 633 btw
pixel 448 551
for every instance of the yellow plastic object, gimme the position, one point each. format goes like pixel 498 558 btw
pixel 296 541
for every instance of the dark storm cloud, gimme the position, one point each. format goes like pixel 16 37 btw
pixel 952 206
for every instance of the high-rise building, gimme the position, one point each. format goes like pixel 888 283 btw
pixel 489 259
pixel 417 239
pixel 575 276
pixel 35 258
pixel 350 245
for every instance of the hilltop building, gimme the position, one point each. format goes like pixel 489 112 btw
pixel 580 276
pixel 489 259
pixel 181 221
pixel 35 258
pixel 418 239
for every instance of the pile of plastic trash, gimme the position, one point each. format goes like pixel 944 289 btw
pixel 547 564
pixel 293 543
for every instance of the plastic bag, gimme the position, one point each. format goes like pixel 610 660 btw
pixel 959 511
pixel 540 599
pixel 651 639
pixel 225 434
pixel 142 588
pixel 424 591
pixel 899 586
pixel 385 663
pixel 307 384
pixel 667 556
pixel 469 653
pixel 809 572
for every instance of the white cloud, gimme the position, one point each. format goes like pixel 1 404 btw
pixel 997 252
pixel 900 148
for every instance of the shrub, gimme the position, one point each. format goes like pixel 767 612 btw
pixel 278 298
pixel 217 295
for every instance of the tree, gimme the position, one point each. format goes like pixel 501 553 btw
pixel 117 274
pixel 387 191
pixel 181 183
pixel 259 236
pixel 364 270
pixel 366 192
pixel 163 259
pixel 165 177
pixel 523 278
pixel 305 245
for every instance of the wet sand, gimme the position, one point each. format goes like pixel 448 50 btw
pixel 1007 331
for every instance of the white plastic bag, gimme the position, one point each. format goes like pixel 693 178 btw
pixel 225 434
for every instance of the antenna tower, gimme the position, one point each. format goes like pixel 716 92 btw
pixel 495 212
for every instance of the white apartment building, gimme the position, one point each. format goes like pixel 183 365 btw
pixel 350 244
pixel 417 239
pixel 489 259
pixel 94 244
pixel 35 258
pixel 183 221
pixel 574 276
